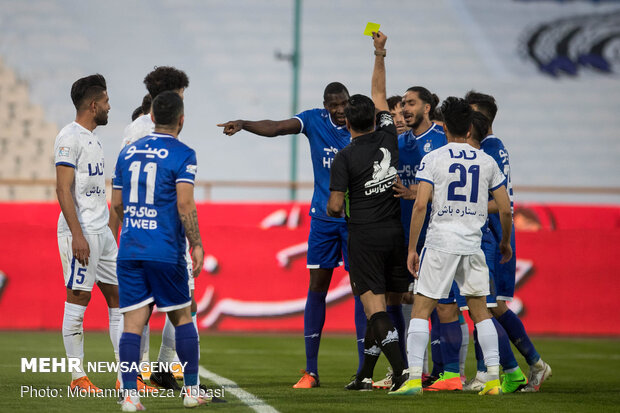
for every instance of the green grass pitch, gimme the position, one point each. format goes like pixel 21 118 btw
pixel 586 377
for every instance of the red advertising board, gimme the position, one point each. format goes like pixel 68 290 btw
pixel 255 278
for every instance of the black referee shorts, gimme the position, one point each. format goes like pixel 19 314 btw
pixel 378 258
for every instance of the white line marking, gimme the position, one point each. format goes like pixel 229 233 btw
pixel 249 399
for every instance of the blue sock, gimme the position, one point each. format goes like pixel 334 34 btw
pixel 186 338
pixel 435 345
pixel 479 357
pixel 360 331
pixel 451 338
pixel 506 356
pixel 396 315
pixel 314 318
pixel 516 331
pixel 129 352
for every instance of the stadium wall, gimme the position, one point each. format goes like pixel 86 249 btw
pixel 254 278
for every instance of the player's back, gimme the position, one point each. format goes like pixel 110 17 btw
pixel 462 178
pixel 148 171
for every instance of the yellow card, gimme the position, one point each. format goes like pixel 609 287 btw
pixel 371 27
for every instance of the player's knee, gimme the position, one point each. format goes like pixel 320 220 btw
pixel 78 297
pixel 320 279
pixel 393 298
pixel 448 313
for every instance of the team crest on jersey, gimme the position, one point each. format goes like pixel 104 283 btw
pixel 382 176
pixel 63 151
pixel 191 169
pixel 428 147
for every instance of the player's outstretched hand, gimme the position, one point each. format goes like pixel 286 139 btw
pixel 379 40
pixel 413 263
pixel 506 250
pixel 231 127
pixel 198 259
pixel 81 249
pixel 401 191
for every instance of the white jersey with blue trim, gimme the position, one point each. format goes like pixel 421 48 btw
pixel 462 178
pixel 147 172
pixel 139 128
pixel 79 148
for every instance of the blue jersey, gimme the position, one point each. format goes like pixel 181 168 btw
pixel 326 139
pixel 411 150
pixel 494 147
pixel 148 171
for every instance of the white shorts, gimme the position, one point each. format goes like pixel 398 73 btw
pixel 101 262
pixel 438 270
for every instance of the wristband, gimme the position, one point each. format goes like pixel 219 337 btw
pixel 380 52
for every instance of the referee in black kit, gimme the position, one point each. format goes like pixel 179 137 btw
pixel 362 175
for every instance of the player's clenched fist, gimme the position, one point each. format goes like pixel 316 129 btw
pixel 231 127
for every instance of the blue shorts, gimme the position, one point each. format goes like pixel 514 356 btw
pixel 502 275
pixel 327 244
pixel 143 282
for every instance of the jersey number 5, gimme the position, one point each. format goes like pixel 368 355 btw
pixel 474 170
pixel 151 173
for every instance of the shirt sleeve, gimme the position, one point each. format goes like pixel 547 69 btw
pixel 425 171
pixel 188 168
pixel 304 118
pixel 66 150
pixel 117 178
pixel 385 123
pixel 339 173
pixel 497 178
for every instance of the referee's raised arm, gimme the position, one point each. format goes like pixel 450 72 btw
pixel 377 91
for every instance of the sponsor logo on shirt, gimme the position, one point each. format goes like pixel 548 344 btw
pixel 192 169
pixel 383 175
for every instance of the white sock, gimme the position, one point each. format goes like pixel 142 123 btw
pixel 425 368
pixel 487 337
pixel 114 317
pixel 73 335
pixel 417 341
pixel 464 346
pixel 144 343
pixel 167 351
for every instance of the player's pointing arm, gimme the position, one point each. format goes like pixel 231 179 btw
pixel 268 128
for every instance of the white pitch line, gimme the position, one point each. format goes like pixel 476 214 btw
pixel 249 399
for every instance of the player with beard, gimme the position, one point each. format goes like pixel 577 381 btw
pixel 327 242
pixel 504 273
pixel 85 242
pixel 458 179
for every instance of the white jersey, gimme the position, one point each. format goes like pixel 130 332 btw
pixel 137 129
pixel 81 149
pixel 462 178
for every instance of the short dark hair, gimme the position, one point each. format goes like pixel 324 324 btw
pixel 167 108
pixel 360 113
pixel 457 115
pixel 146 104
pixel 393 101
pixel 165 78
pixel 87 89
pixel 333 89
pixel 137 112
pixel 480 125
pixel 485 103
pixel 426 96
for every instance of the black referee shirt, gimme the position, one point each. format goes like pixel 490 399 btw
pixel 366 170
